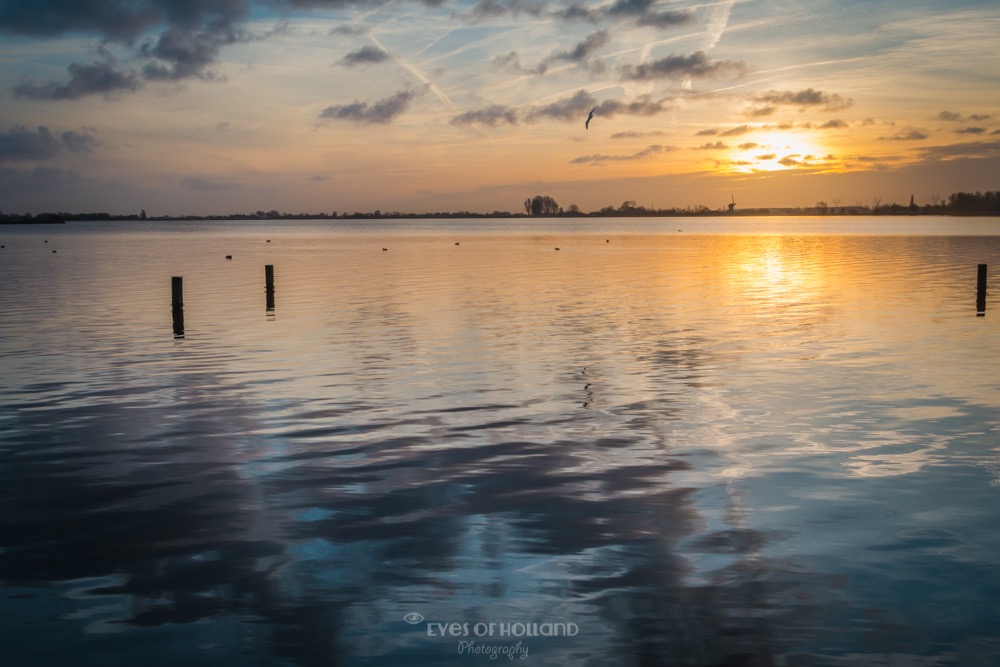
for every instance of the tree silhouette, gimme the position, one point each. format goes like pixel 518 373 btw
pixel 541 205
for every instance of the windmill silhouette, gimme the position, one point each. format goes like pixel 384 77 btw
pixel 732 204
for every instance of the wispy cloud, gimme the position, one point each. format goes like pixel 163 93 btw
pixel 768 102
pixel 97 78
pixel 381 112
pixel 649 151
pixel 907 134
pixel 696 65
pixel 492 115
pixel 635 134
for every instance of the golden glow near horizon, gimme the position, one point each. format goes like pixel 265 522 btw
pixel 776 151
pixel 475 105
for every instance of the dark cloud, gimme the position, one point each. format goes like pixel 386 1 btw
pixel 570 108
pixel 979 149
pixel 696 65
pixel 366 55
pixel 644 13
pixel 79 142
pixel 907 134
pixel 493 116
pixel 199 184
pixel 633 134
pixel 748 145
pixel 579 105
pixel 971 130
pixel 186 40
pixel 718 145
pixel 954 117
pixel 113 19
pixel 487 9
pixel 709 132
pixel 97 78
pixel 790 161
pixel 382 111
pixel 21 144
pixel 766 156
pixel 639 12
pixel 583 50
pixel 579 54
pixel 736 131
pixel 649 151
pixel 834 124
pixel 803 99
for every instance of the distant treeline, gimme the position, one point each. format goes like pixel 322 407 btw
pixel 959 203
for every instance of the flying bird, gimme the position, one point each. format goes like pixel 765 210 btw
pixel 586 125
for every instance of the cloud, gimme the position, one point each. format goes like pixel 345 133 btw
pixel 767 156
pixel 834 124
pixel 582 50
pixel 954 117
pixel 79 142
pixel 578 106
pixel 644 14
pixel 185 41
pixel 21 144
pixel 649 151
pixel 578 54
pixel 97 78
pixel 748 145
pixel 803 99
pixel 789 161
pixel 639 12
pixel 381 112
pixel 199 184
pixel 493 116
pixel 979 149
pixel 718 145
pixel 907 134
pixel 633 134
pixel 488 9
pixel 696 65
pixel 971 130
pixel 366 55
pixel 736 131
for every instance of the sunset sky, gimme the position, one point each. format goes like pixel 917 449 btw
pixel 218 106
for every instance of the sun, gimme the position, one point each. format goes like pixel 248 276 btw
pixel 775 151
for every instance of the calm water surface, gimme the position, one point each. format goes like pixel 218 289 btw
pixel 754 442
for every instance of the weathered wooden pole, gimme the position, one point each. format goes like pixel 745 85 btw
pixel 177 303
pixel 269 285
pixel 981 291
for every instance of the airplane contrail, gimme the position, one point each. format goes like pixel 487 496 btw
pixel 718 21
pixel 415 72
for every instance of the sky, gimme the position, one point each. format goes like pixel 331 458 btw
pixel 202 107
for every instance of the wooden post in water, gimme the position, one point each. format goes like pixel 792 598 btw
pixel 269 285
pixel 981 291
pixel 177 303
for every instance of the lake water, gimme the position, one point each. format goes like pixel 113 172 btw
pixel 770 441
